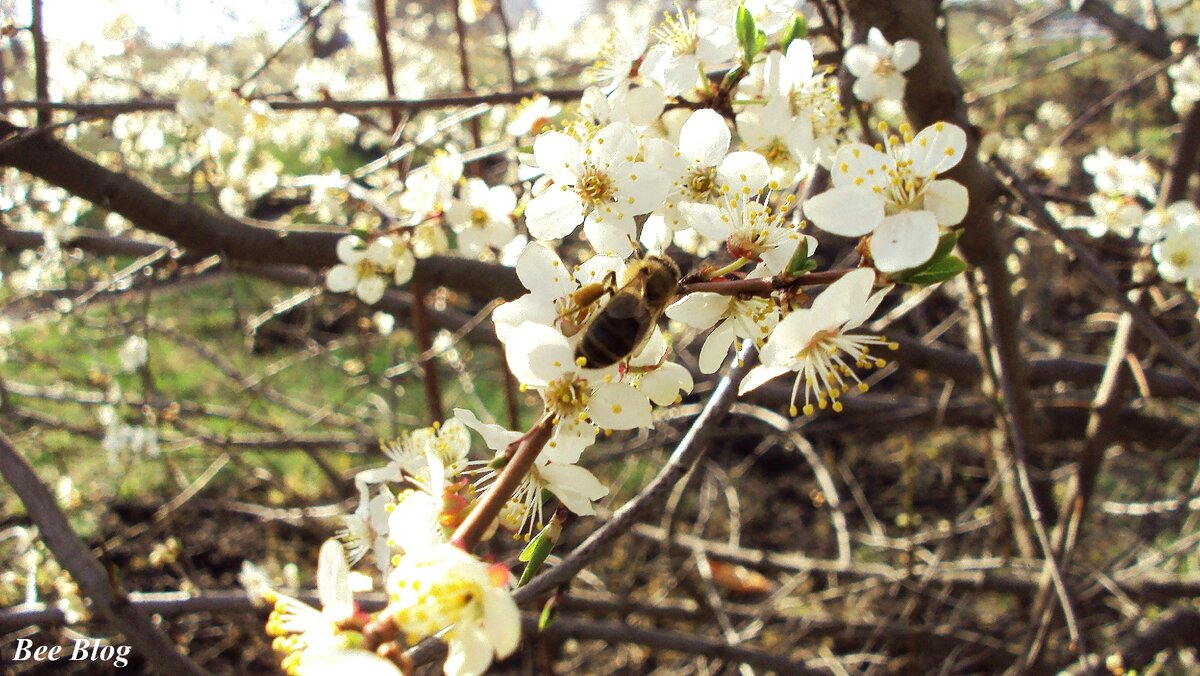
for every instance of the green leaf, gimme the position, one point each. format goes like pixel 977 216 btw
pixel 935 271
pixel 800 263
pixel 535 553
pixel 796 29
pixel 549 613
pixel 945 245
pixel 747 34
pixel 940 267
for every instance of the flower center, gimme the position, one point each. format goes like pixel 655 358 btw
pixel 367 268
pixel 818 98
pixel 822 366
pixel 701 183
pixel 567 398
pixel 595 187
pixel 435 603
pixel 678 31
pixel 906 188
pixel 1180 259
pixel 777 152
pixel 479 217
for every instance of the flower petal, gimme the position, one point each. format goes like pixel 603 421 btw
pixel 643 105
pixel 904 241
pixel 707 219
pixel 616 406
pixel 937 148
pixel 496 437
pixel 642 189
pixel 704 138
pixel 664 383
pixel 905 54
pixel 470 651
pixel 759 375
pixel 744 169
pixel 537 354
pixel 543 272
pixel 716 347
pixel 333 581
pixel 610 233
pixel 501 621
pixel 947 200
pixel 699 310
pixel 860 61
pixel 612 145
pixel 554 214
pixel 847 211
pixel 574 486
pixel 348 249
pixel 341 279
pixel 370 289
pixel 559 155
pixel 858 164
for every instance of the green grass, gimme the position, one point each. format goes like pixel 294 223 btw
pixel 80 350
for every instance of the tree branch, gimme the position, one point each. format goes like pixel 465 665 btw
pixel 94 581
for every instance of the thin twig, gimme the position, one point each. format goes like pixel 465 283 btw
pixel 97 584
pixel 41 67
pixel 1099 273
pixel 312 16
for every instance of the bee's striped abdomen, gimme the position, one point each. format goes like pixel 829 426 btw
pixel 614 333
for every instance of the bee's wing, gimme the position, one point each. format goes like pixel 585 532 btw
pixel 629 300
pixel 626 306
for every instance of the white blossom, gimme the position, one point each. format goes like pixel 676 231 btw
pixel 702 169
pixel 687 44
pixel 366 271
pixel 894 195
pixel 133 353
pixel 444 588
pixel 482 217
pixel 818 345
pixel 879 66
pixel 599 183
pixel 749 229
pixel 733 317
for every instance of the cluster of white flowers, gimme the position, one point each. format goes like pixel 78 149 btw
pixel 1186 77
pixel 407 508
pixel 1179 17
pixel 701 130
pixel 1175 232
pixel 667 152
pixel 1122 184
pixel 35 575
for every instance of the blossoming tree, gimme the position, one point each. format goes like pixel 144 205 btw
pixel 672 237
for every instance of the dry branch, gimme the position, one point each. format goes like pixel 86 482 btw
pixel 106 597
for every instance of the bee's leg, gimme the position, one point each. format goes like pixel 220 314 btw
pixel 610 283
pixel 639 251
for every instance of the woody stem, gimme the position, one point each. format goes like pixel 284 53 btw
pixel 520 461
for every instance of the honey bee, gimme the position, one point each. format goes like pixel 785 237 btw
pixel 622 328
